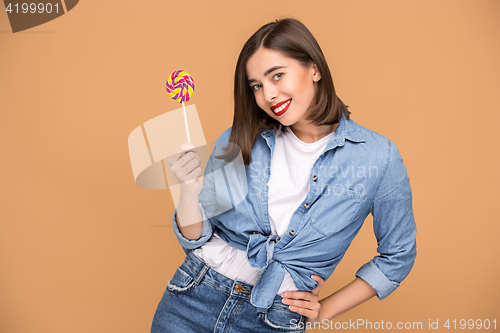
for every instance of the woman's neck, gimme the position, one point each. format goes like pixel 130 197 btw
pixel 310 133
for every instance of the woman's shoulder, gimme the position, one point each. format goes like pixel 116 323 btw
pixel 375 147
pixel 381 150
pixel 364 134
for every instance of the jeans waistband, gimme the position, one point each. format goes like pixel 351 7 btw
pixel 203 272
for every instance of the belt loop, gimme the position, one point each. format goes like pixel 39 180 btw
pixel 202 272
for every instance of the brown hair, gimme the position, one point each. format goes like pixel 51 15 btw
pixel 294 40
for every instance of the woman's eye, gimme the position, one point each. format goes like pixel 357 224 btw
pixel 277 76
pixel 256 87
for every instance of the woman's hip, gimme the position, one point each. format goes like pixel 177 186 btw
pixel 200 299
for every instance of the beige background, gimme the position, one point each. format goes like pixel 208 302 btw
pixel 83 249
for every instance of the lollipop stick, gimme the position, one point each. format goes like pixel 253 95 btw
pixel 185 121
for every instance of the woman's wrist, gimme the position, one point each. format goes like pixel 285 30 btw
pixel 350 296
pixel 189 193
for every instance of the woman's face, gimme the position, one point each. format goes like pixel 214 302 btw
pixel 282 86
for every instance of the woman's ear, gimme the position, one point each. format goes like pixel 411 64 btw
pixel 316 73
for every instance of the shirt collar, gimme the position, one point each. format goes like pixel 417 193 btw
pixel 346 130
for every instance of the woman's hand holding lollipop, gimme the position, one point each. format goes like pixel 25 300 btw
pixel 185 165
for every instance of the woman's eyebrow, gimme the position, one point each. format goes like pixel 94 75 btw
pixel 272 69
pixel 269 71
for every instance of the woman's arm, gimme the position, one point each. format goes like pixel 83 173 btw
pixel 189 213
pixel 352 295
pixel 185 165
pixel 395 230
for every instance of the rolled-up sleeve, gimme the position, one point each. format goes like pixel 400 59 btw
pixel 394 227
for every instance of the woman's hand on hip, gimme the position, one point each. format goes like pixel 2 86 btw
pixel 306 303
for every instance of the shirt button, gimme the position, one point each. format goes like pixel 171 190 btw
pixel 315 178
pixel 292 232
pixel 248 257
pixel 306 206
pixel 255 232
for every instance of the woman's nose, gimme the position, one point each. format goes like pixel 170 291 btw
pixel 270 93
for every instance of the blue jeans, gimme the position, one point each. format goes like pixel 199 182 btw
pixel 198 299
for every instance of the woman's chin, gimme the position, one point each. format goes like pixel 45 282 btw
pixel 284 120
pixel 287 122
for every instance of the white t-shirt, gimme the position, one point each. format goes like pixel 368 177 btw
pixel 291 166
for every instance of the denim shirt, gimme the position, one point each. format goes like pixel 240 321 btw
pixel 359 172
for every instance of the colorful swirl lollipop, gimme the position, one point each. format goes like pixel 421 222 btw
pixel 180 86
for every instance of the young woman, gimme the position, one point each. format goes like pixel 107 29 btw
pixel 283 199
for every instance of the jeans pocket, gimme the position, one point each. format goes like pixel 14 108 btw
pixel 283 319
pixel 181 282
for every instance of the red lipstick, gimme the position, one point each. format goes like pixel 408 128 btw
pixel 281 106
